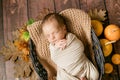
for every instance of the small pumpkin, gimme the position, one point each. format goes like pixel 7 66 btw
pixel 116 59
pixel 112 32
pixel 108 68
pixel 97 26
pixel 107 49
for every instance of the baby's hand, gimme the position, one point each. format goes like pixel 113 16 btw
pixel 83 78
pixel 61 44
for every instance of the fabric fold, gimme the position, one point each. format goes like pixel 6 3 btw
pixel 71 61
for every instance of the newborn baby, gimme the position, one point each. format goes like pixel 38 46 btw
pixel 67 51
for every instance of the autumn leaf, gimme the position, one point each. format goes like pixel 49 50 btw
pixel 25 36
pixel 97 14
pixel 30 21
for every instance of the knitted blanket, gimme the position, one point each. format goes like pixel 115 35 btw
pixel 72 62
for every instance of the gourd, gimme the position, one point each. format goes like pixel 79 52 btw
pixel 116 59
pixel 108 68
pixel 107 48
pixel 97 26
pixel 112 32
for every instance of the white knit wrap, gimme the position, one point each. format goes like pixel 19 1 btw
pixel 72 62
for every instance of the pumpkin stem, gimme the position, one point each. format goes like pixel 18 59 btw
pixel 110 42
pixel 115 30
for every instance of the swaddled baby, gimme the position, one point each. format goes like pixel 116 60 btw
pixel 67 51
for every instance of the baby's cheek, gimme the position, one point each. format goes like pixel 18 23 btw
pixel 49 40
pixel 62 36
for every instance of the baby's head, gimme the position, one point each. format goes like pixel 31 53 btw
pixel 54 27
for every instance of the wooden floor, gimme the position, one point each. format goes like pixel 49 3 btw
pixel 14 13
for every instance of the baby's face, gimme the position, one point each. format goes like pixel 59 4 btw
pixel 53 32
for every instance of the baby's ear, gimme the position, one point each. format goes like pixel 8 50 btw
pixel 64 27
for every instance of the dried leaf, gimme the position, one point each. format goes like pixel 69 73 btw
pixel 14 57
pixel 97 14
pixel 27 71
pixel 8 51
pixel 16 33
pixel 19 72
pixel 34 76
pixel 7 57
pixel 23 69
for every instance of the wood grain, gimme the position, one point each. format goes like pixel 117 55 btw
pixel 36 7
pixel 1 25
pixel 2 63
pixel 113 8
pixel 14 16
pixel 65 4
pixel 91 4
pixel 2 68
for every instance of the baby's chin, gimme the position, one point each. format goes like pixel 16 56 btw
pixel 51 42
pixel 54 42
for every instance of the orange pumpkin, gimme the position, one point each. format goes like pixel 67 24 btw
pixel 116 59
pixel 112 32
pixel 108 68
pixel 97 26
pixel 107 49
pixel 119 30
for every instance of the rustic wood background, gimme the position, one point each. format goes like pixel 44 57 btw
pixel 14 13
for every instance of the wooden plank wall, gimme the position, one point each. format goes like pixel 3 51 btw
pixel 14 13
pixel 2 63
pixel 1 25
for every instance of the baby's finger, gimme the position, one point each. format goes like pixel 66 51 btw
pixel 83 78
pixel 63 40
